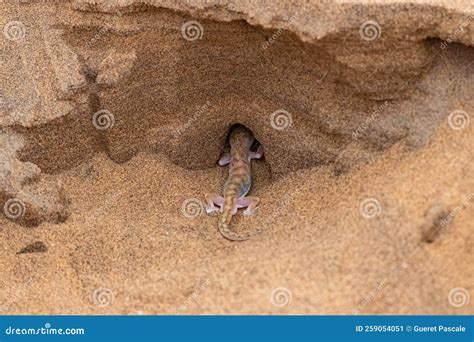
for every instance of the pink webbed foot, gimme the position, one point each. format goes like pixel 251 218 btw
pixel 225 159
pixel 250 202
pixel 258 154
pixel 213 202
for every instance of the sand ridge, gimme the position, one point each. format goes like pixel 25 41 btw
pixel 113 115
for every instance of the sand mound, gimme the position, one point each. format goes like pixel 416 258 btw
pixel 114 114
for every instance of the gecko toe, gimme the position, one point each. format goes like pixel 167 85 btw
pixel 212 210
pixel 248 212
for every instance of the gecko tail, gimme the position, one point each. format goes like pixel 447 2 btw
pixel 230 235
pixel 224 228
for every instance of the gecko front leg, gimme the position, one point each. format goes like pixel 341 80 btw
pixel 256 155
pixel 224 160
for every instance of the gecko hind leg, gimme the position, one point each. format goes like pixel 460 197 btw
pixel 212 201
pixel 250 202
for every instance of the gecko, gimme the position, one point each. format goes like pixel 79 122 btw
pixel 238 183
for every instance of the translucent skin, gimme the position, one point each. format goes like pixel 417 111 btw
pixel 238 183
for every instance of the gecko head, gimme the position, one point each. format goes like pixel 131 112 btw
pixel 241 135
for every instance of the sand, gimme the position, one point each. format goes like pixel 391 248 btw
pixel 127 235
pixel 367 192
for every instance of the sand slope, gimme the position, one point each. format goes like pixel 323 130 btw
pixel 128 241
pixel 112 118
